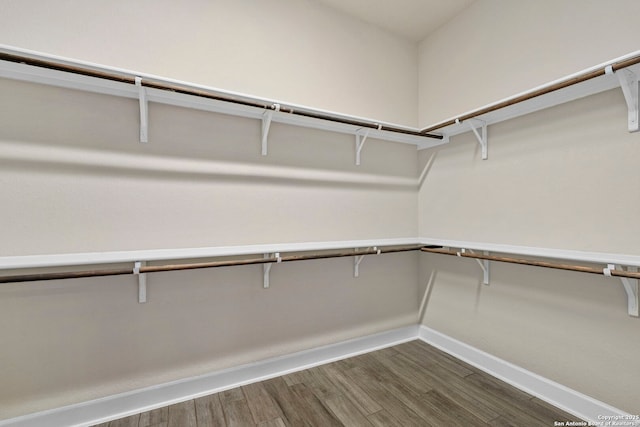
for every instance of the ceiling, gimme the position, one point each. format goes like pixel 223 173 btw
pixel 412 19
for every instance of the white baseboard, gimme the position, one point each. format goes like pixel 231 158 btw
pixel 125 404
pixel 571 401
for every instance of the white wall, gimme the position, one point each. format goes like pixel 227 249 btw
pixel 562 178
pixel 295 51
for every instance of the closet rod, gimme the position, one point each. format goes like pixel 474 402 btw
pixel 542 91
pixel 580 268
pixel 186 90
pixel 193 266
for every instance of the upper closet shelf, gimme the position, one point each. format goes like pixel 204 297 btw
pixel 35 67
pixel 562 254
pixel 94 258
pixel 622 72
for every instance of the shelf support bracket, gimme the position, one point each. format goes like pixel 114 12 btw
pixel 630 287
pixel 144 111
pixel 474 125
pixel 267 117
pixel 356 265
pixel 629 84
pixel 266 269
pixel 484 265
pixel 142 281
pixel 361 138
pixel 358 259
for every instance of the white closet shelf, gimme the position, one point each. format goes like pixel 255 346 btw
pixel 613 263
pixel 563 254
pixel 96 258
pixel 35 67
pixel 270 255
pixel 621 72
pixel 52 70
pixel 112 257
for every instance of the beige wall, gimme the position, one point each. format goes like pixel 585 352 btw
pixel 75 178
pixel 83 183
pixel 296 51
pixel 561 178
pixel 564 178
pixel 65 342
pixel 497 48
pixel 570 327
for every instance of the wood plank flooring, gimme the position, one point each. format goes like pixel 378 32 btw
pixel 411 384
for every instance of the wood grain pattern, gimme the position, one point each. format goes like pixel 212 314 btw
pixel 273 423
pixel 286 400
pixel 359 397
pixel 345 411
pixel 209 411
pixel 131 421
pixel 231 395
pixel 380 394
pixel 449 389
pixel 407 373
pixel 411 384
pixel 182 415
pixel 450 412
pixel 383 419
pixel 432 355
pixel 238 414
pixel 154 418
pixel 262 406
pixel 313 411
pixel 320 384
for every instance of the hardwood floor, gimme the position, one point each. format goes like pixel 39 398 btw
pixel 411 384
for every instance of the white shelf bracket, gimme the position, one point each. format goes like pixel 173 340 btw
pixel 358 259
pixel 356 265
pixel 267 117
pixel 631 288
pixel 266 269
pixel 361 138
pixel 144 111
pixel 629 84
pixel 142 281
pixel 474 125
pixel 484 265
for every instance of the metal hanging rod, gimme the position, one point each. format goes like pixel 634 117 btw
pixel 558 266
pixel 176 267
pixel 210 94
pixel 588 75
pixel 324 255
